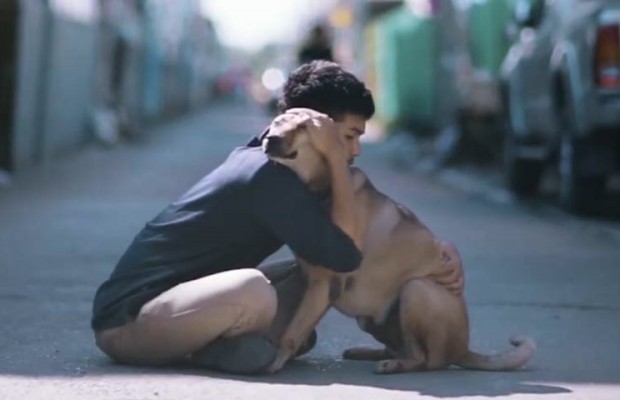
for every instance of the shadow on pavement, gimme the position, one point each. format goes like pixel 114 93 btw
pixel 327 372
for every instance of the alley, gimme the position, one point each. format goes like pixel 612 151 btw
pixel 63 228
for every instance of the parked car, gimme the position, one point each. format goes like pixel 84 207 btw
pixel 560 84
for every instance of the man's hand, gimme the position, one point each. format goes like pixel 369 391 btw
pixel 322 131
pixel 453 278
pixel 288 122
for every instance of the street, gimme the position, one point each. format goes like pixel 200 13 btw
pixel 63 227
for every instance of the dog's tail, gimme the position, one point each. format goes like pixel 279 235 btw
pixel 512 359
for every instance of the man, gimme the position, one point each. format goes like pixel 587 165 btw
pixel 316 46
pixel 187 288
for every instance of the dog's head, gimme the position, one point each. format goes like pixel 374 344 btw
pixel 293 148
pixel 288 142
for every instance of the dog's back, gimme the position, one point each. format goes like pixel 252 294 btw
pixel 397 248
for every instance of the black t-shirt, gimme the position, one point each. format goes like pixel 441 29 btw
pixel 235 217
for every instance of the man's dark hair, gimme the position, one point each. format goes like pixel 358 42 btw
pixel 326 87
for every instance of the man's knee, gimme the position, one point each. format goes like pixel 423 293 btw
pixel 104 341
pixel 257 293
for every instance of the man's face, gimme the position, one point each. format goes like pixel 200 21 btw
pixel 350 128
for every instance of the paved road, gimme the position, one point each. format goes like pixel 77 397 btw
pixel 62 229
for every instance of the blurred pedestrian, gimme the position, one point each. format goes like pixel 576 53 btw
pixel 120 32
pixel 316 46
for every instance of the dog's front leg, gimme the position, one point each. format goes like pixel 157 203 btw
pixel 313 306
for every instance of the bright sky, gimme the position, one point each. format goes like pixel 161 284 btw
pixel 252 23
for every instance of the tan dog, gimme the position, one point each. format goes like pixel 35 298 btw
pixel 422 325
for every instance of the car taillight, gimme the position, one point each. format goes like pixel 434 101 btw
pixel 607 57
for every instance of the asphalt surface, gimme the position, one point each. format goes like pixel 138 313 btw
pixel 64 226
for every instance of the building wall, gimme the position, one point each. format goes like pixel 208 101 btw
pixel 67 61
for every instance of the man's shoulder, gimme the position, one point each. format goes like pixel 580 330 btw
pixel 278 177
pixel 245 160
pixel 252 165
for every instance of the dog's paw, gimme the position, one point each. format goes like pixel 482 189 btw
pixel 277 365
pixel 388 367
pixel 282 356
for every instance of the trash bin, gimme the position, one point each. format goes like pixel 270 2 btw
pixel 405 65
pixel 488 43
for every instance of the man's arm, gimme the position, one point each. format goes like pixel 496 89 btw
pixel 284 206
pixel 343 210
pixel 327 141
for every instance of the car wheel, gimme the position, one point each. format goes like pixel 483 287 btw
pixel 579 193
pixel 580 190
pixel 523 175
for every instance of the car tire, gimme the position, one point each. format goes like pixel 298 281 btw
pixel 523 175
pixel 579 194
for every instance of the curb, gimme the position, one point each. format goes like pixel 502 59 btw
pixel 489 190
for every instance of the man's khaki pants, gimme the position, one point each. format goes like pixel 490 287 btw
pixel 189 316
